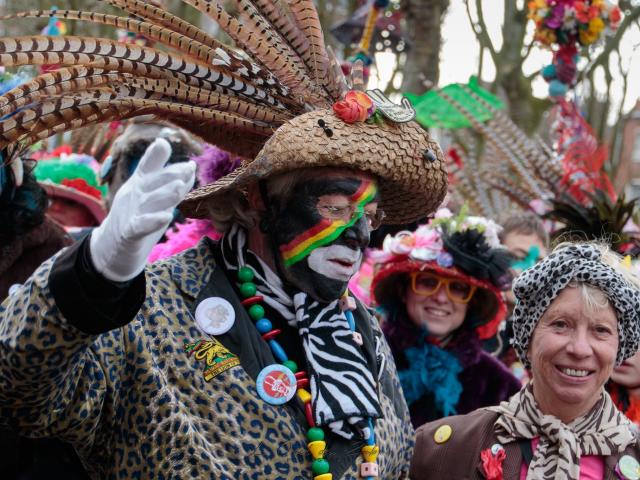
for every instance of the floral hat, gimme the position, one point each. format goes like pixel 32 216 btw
pixel 463 247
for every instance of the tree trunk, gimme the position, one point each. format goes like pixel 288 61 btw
pixel 524 109
pixel 423 20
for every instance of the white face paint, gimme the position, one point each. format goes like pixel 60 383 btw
pixel 337 262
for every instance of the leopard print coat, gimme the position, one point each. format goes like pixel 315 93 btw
pixel 135 404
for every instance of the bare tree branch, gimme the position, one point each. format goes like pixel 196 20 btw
pixel 480 30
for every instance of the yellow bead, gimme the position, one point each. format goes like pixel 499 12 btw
pixel 370 453
pixel 324 476
pixel 304 395
pixel 443 433
pixel 317 448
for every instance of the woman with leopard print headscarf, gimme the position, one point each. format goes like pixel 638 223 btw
pixel 576 318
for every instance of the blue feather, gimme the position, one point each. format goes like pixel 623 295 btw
pixel 432 370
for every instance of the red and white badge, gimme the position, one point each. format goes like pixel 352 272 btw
pixel 276 384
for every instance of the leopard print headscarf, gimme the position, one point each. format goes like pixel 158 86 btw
pixel 602 431
pixel 538 286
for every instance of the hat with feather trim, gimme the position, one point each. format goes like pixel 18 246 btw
pixel 282 103
pixel 466 248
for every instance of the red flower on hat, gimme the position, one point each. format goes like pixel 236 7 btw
pixel 492 463
pixel 356 107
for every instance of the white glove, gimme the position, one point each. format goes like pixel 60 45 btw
pixel 141 212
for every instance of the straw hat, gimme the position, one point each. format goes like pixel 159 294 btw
pixel 262 103
pixel 408 163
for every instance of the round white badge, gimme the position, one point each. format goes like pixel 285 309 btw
pixel 215 315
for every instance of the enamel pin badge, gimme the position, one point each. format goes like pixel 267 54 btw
pixel 396 113
pixel 216 357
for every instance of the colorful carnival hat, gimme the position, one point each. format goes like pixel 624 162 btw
pixel 460 247
pixel 72 186
pixel 282 103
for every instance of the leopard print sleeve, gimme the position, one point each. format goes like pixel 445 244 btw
pixel 53 380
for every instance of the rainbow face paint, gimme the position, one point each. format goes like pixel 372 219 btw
pixel 326 231
pixel 316 254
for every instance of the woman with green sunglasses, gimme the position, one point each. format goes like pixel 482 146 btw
pixel 439 289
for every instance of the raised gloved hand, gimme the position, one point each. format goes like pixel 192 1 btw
pixel 141 212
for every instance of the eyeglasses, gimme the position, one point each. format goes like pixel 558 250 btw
pixel 351 212
pixel 427 284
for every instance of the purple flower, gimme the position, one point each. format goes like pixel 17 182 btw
pixel 556 18
pixel 444 259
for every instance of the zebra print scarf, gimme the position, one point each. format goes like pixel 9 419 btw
pixel 603 431
pixel 343 389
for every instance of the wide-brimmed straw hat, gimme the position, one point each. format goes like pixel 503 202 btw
pixel 407 162
pixel 262 103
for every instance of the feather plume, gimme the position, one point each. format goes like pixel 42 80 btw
pixel 68 50
pixel 336 82
pixel 307 19
pixel 276 15
pixel 67 80
pixel 235 97
pixel 158 16
pixel 257 39
pixel 63 113
pixel 357 76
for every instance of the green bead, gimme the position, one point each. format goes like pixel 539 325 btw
pixel 256 311
pixel 315 434
pixel 245 274
pixel 291 365
pixel 248 289
pixel 320 466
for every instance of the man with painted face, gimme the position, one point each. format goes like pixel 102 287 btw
pixel 341 196
pixel 242 358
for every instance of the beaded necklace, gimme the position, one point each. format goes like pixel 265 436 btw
pixel 315 435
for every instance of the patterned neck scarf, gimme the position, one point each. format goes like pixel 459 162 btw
pixel 602 431
pixel 343 388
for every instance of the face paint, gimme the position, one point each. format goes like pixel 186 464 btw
pixel 315 254
pixel 326 230
pixel 337 262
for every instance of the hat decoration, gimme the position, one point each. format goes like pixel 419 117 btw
pixel 449 241
pixel 461 246
pixel 356 107
pixel 265 98
pixel 565 26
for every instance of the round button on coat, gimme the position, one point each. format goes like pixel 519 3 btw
pixel 276 384
pixel 443 433
pixel 215 315
pixel 629 467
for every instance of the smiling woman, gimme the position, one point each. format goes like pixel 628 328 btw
pixel 576 318
pixel 440 290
